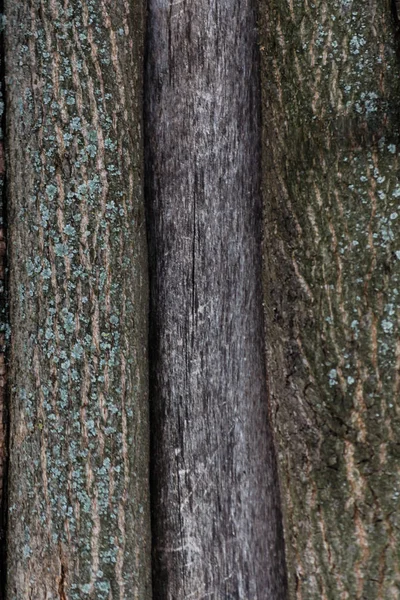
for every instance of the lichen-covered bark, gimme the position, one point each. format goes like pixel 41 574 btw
pixel 216 517
pixel 331 99
pixel 78 493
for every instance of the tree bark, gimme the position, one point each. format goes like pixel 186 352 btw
pixel 4 330
pixel 78 486
pixel 332 270
pixel 215 503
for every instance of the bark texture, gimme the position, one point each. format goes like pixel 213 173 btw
pixel 332 284
pixel 215 503
pixel 4 327
pixel 78 487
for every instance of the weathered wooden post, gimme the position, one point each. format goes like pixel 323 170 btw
pixel 215 503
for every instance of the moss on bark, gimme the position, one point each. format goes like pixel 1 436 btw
pixel 332 284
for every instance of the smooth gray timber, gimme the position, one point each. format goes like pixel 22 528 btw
pixel 215 503
pixel 331 113
pixel 79 523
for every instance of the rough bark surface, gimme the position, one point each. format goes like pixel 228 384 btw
pixel 4 327
pixel 78 488
pixel 332 281
pixel 215 504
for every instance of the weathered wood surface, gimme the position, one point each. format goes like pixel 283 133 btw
pixel 332 244
pixel 78 488
pixel 215 506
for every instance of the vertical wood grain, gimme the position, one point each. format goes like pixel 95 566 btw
pixel 215 502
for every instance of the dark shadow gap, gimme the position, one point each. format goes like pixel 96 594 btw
pixel 148 217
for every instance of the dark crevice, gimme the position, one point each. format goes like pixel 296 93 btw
pixel 151 332
pixel 4 320
pixel 396 11
pixel 395 5
pixel 61 581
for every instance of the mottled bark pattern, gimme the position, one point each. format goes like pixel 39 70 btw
pixel 4 328
pixel 78 497
pixel 216 519
pixel 331 101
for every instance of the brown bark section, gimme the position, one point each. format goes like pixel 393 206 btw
pixel 78 485
pixel 332 274
pixel 4 330
pixel 216 516
pixel 4 343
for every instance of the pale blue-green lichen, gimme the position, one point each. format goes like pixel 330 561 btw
pixel 332 91
pixel 63 346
